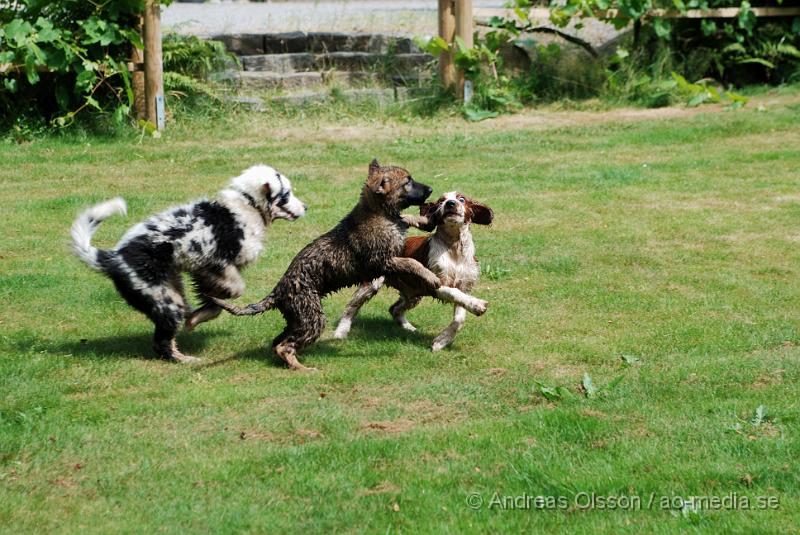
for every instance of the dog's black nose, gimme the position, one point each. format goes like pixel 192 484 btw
pixel 450 203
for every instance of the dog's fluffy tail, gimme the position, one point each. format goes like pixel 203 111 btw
pixel 252 309
pixel 85 226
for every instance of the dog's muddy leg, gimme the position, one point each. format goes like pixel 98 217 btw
pixel 226 285
pixel 363 294
pixel 446 337
pixel 399 309
pixel 287 352
pixel 408 266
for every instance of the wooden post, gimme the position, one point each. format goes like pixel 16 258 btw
pixel 464 31
pixel 447 31
pixel 137 79
pixel 153 70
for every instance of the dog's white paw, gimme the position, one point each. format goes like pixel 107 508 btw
pixel 477 306
pixel 438 345
pixel 342 330
pixel 340 335
pixel 188 359
pixel 408 327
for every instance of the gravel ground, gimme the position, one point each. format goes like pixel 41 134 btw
pixel 409 17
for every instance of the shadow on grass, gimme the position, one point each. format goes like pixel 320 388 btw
pixel 138 345
pixel 368 330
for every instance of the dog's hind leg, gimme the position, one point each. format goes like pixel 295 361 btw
pixel 305 321
pixel 167 318
pixel 446 337
pixel 225 285
pixel 287 351
pixel 364 293
pixel 400 307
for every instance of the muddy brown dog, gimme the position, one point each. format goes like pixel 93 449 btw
pixel 449 252
pixel 366 244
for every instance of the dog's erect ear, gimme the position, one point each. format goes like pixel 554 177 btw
pixel 481 214
pixel 377 184
pixel 374 166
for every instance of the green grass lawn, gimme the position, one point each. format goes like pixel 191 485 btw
pixel 661 257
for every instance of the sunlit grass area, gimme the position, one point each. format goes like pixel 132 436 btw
pixel 642 338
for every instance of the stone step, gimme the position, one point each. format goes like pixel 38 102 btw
pixel 282 63
pixel 383 96
pixel 316 42
pixel 293 81
pixel 345 61
pixel 256 80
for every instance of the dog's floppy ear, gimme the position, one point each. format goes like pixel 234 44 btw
pixel 431 211
pixel 481 214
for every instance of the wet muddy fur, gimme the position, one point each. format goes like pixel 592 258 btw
pixel 366 244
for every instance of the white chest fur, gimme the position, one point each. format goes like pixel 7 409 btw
pixel 452 258
pixel 253 227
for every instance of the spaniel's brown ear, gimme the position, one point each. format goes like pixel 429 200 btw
pixel 431 211
pixel 481 214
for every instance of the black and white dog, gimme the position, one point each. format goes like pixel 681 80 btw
pixel 209 239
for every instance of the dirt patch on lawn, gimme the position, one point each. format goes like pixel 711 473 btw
pixel 531 119
pixel 392 427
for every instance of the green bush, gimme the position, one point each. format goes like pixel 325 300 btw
pixel 63 57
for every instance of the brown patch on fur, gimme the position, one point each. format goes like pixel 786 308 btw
pixel 417 247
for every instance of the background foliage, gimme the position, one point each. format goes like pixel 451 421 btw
pixel 62 57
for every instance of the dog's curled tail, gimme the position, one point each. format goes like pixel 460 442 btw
pixel 85 226
pixel 252 309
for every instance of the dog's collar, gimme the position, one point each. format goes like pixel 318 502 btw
pixel 252 202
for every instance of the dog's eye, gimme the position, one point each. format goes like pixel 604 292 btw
pixel 283 198
pixel 462 200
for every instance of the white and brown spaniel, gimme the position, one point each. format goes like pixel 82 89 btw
pixel 449 252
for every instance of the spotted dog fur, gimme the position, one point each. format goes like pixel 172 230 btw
pixel 366 244
pixel 209 239
pixel 449 252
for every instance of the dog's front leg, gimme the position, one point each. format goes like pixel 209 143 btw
pixel 446 337
pixel 418 221
pixel 428 279
pixel 225 285
pixel 400 265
